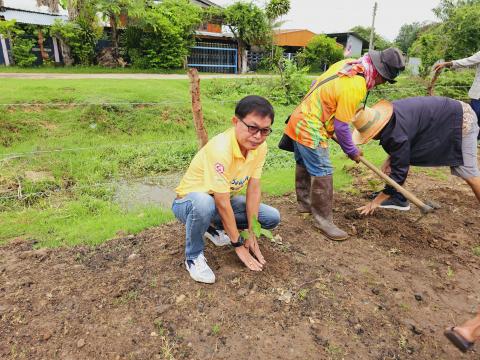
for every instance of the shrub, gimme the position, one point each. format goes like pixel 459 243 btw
pixel 80 37
pixel 163 37
pixel 320 51
pixel 22 52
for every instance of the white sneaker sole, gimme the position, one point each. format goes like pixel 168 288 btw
pixel 215 242
pixel 200 279
pixel 395 207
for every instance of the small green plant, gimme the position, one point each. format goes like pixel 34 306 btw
pixel 159 326
pixel 215 329
pixel 334 351
pixel 476 250
pixel 257 230
pixel 302 294
pixel 450 272
pixel 403 342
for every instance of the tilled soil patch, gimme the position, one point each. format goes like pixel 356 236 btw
pixel 386 293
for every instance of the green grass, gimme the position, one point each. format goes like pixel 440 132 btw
pixel 107 142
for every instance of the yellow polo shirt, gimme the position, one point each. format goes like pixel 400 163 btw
pixel 220 167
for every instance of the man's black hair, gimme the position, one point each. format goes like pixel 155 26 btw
pixel 254 104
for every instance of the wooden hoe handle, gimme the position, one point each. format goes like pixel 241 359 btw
pixel 424 208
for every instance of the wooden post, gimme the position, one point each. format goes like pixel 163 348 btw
pixel 197 107
pixel 372 31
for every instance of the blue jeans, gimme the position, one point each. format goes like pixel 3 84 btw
pixel 316 161
pixel 197 211
pixel 475 104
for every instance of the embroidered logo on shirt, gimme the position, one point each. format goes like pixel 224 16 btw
pixel 219 168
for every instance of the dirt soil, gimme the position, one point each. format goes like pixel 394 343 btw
pixel 386 293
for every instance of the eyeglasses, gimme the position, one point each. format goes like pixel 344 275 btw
pixel 255 129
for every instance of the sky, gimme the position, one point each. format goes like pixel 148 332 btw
pixel 322 16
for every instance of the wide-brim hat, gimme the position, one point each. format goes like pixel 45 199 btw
pixel 388 62
pixel 369 121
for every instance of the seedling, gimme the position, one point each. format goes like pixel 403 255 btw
pixel 450 272
pixel 476 250
pixel 302 294
pixel 257 230
pixel 215 329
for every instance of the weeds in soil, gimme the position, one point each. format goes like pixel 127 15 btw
pixel 167 348
pixel 403 342
pixel 335 352
pixel 476 250
pixel 216 329
pixel 302 294
pixel 450 272
pixel 159 327
pixel 129 297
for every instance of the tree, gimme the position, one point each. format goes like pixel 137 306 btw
pixel 114 10
pixel 463 31
pixel 163 36
pixel 247 22
pixel 407 35
pixel 21 47
pixel 429 46
pixel 446 7
pixel 379 42
pixel 276 9
pixel 321 50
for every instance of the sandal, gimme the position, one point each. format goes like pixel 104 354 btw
pixel 458 340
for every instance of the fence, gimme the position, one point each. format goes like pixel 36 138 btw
pixel 254 58
pixel 275 155
pixel 214 57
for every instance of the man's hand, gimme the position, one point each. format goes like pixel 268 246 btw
pixel 370 207
pixel 252 245
pixel 386 168
pixel 441 65
pixel 357 156
pixel 249 261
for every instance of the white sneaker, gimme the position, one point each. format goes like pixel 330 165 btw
pixel 199 270
pixel 218 237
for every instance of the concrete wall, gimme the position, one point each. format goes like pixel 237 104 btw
pixel 354 45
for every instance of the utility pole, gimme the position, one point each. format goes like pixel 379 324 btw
pixel 372 31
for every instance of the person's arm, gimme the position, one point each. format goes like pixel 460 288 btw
pixel 254 195
pixel 473 60
pixel 224 208
pixel 344 138
pixel 370 207
pixel 399 162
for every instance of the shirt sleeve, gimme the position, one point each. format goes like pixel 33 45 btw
pixel 216 166
pixel 344 137
pixel 352 92
pixel 467 62
pixel 257 173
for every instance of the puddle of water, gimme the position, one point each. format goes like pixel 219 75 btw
pixel 140 194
